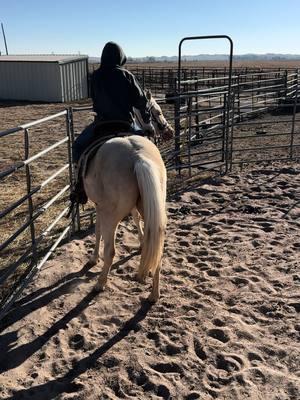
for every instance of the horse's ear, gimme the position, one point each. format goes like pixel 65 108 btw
pixel 148 94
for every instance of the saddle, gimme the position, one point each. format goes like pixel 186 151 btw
pixel 103 131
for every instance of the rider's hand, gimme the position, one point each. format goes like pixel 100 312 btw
pixel 168 134
pixel 149 130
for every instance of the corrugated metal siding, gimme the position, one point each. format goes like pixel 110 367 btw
pixel 74 80
pixel 37 81
pixel 43 58
pixel 43 81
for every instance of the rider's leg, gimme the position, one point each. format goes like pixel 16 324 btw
pixel 83 141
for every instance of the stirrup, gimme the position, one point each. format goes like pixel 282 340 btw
pixel 71 206
pixel 76 198
pixel 78 195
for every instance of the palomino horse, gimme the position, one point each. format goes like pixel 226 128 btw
pixel 127 176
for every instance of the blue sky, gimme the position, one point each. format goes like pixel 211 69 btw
pixel 152 27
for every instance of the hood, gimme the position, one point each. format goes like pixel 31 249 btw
pixel 113 55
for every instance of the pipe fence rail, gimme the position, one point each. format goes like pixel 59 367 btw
pixel 161 80
pixel 222 118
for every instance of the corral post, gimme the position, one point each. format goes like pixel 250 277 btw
pixel 224 128
pixel 294 115
pixel 143 79
pixel 229 101
pixel 30 203
pixel 238 97
pixel 189 110
pixel 231 130
pixel 70 132
pixel 197 111
pixel 285 83
pixel 171 86
pixel 252 92
pixel 177 133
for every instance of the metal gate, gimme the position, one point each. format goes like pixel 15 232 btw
pixel 203 111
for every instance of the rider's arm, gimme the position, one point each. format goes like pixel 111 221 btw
pixel 139 100
pixel 93 90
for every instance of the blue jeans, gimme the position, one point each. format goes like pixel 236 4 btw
pixel 83 141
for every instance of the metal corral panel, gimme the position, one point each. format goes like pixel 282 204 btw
pixel 43 78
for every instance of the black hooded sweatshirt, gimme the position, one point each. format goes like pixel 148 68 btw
pixel 115 91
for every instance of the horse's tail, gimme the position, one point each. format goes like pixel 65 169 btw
pixel 153 196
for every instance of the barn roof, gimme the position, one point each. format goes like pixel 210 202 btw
pixel 61 59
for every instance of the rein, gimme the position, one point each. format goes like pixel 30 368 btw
pixel 162 128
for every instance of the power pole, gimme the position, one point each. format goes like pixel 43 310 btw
pixel 4 38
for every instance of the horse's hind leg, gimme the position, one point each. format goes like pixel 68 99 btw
pixel 137 220
pixel 108 230
pixel 154 295
pixel 95 257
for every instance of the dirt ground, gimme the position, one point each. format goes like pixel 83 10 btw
pixel 226 326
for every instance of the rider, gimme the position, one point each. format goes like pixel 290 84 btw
pixel 114 91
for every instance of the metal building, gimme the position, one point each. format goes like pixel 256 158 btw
pixel 49 78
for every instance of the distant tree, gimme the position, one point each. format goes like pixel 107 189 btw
pixel 150 59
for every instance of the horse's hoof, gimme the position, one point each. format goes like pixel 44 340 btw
pixel 101 283
pixel 140 278
pixel 93 260
pixel 153 298
pixel 98 287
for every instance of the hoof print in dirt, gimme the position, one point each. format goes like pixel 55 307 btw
pixel 76 342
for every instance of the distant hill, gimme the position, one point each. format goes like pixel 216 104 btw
pixel 210 57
